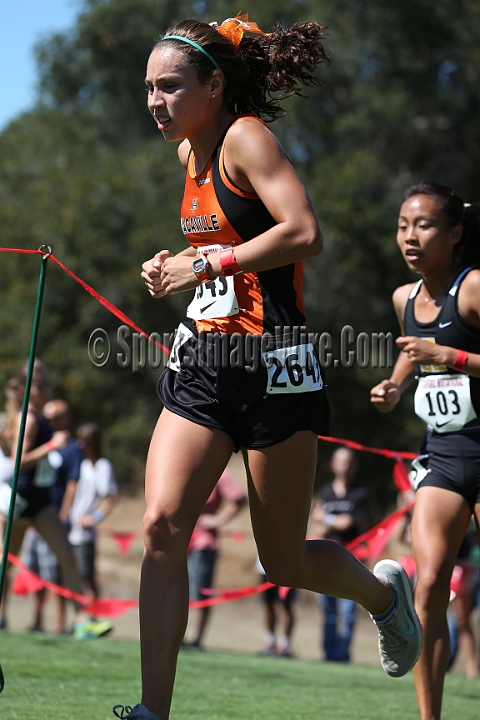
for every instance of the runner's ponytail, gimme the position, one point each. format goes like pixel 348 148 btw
pixel 259 70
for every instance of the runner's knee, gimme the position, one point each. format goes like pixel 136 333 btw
pixel 164 534
pixel 432 591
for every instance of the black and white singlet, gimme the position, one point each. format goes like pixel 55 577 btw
pixel 446 399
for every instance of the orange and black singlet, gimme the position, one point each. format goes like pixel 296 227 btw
pixel 258 383
pixel 216 214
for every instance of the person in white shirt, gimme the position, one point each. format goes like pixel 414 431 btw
pixel 96 495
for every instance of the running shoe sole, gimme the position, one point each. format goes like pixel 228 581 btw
pixel 402 589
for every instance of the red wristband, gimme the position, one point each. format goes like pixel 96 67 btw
pixel 50 445
pixel 228 262
pixel 460 360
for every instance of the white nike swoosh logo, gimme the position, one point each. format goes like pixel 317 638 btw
pixel 442 325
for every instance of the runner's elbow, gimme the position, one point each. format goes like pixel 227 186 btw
pixel 312 241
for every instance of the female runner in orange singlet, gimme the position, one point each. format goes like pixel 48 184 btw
pixel 250 225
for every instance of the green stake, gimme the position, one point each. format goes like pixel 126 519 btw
pixel 46 252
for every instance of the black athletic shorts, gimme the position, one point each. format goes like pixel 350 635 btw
pixel 37 500
pixel 272 594
pixel 211 389
pixel 453 463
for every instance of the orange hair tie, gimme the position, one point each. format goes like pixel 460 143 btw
pixel 234 28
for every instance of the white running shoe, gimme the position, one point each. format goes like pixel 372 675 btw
pixel 139 712
pixel 400 637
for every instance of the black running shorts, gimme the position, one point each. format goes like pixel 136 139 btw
pixel 453 463
pixel 37 498
pixel 211 389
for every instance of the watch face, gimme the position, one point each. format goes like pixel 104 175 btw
pixel 199 265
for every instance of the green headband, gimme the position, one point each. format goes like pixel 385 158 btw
pixel 198 47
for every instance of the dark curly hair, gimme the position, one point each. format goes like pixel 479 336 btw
pixel 262 70
pixel 457 212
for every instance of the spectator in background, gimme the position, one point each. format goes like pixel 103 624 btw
pixel 338 514
pixel 33 504
pixel 463 592
pixel 400 542
pixel 6 464
pixel 6 467
pixel 272 598
pixel 66 462
pixel 7 430
pixel 11 407
pixel 95 496
pixel 36 553
pixel 226 501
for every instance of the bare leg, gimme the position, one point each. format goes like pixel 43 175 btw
pixel 53 531
pixel 39 600
pixel 202 621
pixel 91 587
pixel 90 590
pixel 439 523
pixel 19 528
pixel 463 605
pixel 269 644
pixel 288 619
pixel 184 463
pixel 280 490
pixel 61 607
pixel 283 645
pixel 270 616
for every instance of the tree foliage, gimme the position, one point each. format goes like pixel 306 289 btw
pixel 87 173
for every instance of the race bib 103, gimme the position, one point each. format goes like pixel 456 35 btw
pixel 444 402
pixel 293 370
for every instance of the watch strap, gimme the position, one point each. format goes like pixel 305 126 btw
pixel 204 275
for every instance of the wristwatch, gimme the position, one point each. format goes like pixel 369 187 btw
pixel 200 267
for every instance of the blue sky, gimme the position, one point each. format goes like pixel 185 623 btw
pixel 22 24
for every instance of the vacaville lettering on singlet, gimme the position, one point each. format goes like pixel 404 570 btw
pixel 216 215
pixel 200 224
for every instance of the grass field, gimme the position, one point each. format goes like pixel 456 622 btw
pixel 58 678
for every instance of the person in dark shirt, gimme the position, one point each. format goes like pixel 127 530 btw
pixel 66 463
pixel 36 553
pixel 33 503
pixel 338 514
